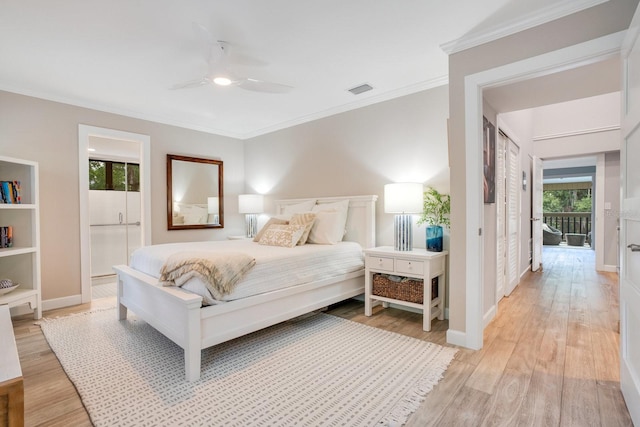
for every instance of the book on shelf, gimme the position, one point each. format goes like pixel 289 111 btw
pixel 6 237
pixel 10 192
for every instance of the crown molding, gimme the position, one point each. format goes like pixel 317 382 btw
pixel 550 13
pixel 119 111
pixel 386 96
pixel 407 90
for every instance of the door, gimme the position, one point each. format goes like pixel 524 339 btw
pixel 536 209
pixel 512 216
pixel 500 216
pixel 630 223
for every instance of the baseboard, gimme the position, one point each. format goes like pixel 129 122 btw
pixel 489 315
pixel 52 304
pixel 609 268
pixel 456 338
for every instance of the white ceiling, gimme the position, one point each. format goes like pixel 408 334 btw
pixel 123 56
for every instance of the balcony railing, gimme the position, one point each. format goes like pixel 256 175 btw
pixel 570 222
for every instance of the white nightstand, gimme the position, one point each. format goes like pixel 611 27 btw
pixel 238 237
pixel 418 264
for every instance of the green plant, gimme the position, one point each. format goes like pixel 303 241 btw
pixel 436 208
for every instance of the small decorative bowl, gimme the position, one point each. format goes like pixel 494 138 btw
pixel 7 285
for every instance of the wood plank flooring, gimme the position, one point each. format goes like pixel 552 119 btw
pixel 550 357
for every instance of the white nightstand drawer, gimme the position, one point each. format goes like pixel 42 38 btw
pixel 411 267
pixel 380 263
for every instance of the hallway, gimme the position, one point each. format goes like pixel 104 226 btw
pixel 550 357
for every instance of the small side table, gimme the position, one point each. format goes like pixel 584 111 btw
pixel 417 264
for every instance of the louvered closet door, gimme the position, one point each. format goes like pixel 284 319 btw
pixel 512 216
pixel 500 216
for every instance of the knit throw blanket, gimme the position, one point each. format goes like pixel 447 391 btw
pixel 219 271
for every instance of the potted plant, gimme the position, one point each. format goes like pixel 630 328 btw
pixel 436 208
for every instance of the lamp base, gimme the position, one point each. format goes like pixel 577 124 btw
pixel 251 224
pixel 402 233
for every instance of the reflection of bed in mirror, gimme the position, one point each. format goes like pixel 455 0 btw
pixel 193 213
pixel 181 316
pixel 194 191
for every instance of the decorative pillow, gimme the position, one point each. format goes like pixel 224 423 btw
pixel 307 219
pixel 335 228
pixel 282 235
pixel 270 222
pixel 299 207
pixel 327 229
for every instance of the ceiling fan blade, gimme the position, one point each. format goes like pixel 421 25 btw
pixel 263 86
pixel 192 83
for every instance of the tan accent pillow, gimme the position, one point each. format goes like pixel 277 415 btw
pixel 270 222
pixel 307 219
pixel 282 235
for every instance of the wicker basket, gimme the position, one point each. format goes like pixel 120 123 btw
pixel 410 290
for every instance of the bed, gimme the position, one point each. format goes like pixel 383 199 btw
pixel 180 315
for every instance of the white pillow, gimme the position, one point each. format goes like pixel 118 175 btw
pixel 299 207
pixel 328 228
pixel 341 207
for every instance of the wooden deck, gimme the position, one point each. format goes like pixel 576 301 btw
pixel 550 356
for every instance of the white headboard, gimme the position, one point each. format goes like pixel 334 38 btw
pixel 361 218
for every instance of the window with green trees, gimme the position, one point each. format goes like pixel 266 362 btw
pixel 566 200
pixel 110 175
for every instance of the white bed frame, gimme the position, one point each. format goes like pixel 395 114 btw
pixel 179 314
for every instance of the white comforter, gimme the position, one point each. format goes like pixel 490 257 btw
pixel 275 267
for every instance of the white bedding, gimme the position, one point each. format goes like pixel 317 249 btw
pixel 276 267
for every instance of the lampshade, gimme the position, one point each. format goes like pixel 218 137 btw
pixel 404 197
pixel 213 205
pixel 250 203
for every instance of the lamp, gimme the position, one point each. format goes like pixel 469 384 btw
pixel 403 199
pixel 213 208
pixel 251 205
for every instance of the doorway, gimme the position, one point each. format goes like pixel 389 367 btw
pixel 115 200
pixel 573 56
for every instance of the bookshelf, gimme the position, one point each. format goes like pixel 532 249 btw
pixel 21 261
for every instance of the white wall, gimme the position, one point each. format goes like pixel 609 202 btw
pixel 357 152
pixel 580 127
pixel 611 216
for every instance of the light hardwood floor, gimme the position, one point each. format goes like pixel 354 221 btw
pixel 550 357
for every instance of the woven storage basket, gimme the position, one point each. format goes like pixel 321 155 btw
pixel 410 290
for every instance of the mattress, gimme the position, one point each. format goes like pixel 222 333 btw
pixel 275 268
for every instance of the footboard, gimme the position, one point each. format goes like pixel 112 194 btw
pixel 173 312
pixel 178 315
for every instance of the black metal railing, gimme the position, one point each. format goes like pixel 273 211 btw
pixel 570 222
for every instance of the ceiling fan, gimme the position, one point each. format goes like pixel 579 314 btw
pixel 220 62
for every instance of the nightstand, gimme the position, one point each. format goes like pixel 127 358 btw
pixel 416 264
pixel 238 237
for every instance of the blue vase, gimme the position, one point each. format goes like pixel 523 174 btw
pixel 434 238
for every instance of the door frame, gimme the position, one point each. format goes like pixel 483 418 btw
pixel 144 143
pixel 581 54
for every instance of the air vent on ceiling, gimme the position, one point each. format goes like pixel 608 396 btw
pixel 359 89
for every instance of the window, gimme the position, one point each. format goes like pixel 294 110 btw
pixel 109 175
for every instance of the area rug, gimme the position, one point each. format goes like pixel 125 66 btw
pixel 311 371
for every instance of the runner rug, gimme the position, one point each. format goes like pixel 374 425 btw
pixel 311 371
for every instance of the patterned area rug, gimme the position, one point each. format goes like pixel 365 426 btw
pixel 311 371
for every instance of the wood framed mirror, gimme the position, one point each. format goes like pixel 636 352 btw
pixel 194 193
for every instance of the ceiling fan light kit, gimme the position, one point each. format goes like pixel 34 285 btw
pixel 222 81
pixel 220 63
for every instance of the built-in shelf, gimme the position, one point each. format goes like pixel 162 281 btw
pixel 21 262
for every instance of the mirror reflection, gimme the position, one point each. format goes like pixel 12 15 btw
pixel 194 193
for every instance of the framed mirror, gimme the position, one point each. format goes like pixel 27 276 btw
pixel 194 193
